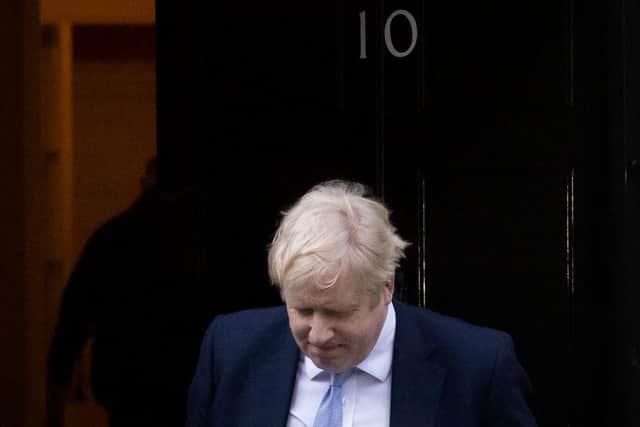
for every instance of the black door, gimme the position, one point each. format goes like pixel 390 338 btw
pixel 490 130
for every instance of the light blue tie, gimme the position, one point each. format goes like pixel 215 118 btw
pixel 330 411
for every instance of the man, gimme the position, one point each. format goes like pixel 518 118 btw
pixel 342 352
pixel 130 296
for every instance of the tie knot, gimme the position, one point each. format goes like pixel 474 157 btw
pixel 339 379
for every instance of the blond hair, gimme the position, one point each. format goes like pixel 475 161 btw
pixel 335 230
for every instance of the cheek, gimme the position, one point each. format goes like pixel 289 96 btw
pixel 347 334
pixel 299 329
pixel 366 333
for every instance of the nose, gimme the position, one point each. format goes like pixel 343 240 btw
pixel 321 331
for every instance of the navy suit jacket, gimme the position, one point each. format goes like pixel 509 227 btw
pixel 445 373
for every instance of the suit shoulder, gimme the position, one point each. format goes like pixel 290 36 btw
pixel 248 327
pixel 458 338
pixel 254 318
pixel 460 330
pixel 234 338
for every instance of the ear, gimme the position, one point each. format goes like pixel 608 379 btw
pixel 387 291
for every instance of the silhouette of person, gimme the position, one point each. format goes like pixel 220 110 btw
pixel 134 292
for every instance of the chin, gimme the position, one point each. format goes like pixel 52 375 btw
pixel 332 365
pixel 327 364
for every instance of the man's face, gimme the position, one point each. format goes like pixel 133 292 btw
pixel 338 326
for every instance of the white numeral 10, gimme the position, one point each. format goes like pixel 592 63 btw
pixel 387 34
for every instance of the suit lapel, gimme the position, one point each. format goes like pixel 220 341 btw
pixel 272 377
pixel 417 378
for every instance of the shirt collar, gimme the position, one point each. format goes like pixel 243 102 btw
pixel 378 361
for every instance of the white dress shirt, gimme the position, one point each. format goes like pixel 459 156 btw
pixel 366 395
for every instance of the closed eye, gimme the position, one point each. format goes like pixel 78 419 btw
pixel 340 314
pixel 304 311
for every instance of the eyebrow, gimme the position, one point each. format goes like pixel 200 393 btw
pixel 346 308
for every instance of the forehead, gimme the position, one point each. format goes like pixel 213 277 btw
pixel 343 293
